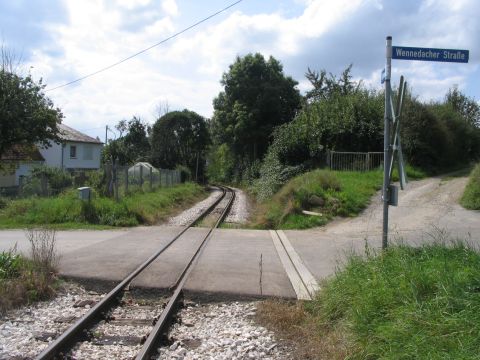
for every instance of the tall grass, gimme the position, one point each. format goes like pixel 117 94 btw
pixel 407 303
pixel 137 208
pixel 403 303
pixel 471 196
pixel 331 193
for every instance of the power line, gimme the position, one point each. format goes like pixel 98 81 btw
pixel 148 48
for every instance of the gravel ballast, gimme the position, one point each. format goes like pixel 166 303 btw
pixel 20 328
pixel 238 213
pixel 221 331
pixel 187 216
pixel 210 331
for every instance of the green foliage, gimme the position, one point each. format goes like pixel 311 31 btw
pixel 138 208
pixel 351 122
pixel 471 196
pixel 406 303
pixel 178 138
pixel 58 179
pixel 27 116
pixel 468 108
pixel 257 97
pixel 436 137
pixel 132 144
pixel 331 193
pixel 220 164
pixel 9 264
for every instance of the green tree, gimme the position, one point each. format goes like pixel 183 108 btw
pixel 27 116
pixel 132 145
pixel 257 97
pixel 465 106
pixel 180 138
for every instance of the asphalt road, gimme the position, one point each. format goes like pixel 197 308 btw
pixel 245 262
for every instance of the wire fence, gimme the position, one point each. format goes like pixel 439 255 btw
pixel 354 161
pixel 122 180
pixel 110 180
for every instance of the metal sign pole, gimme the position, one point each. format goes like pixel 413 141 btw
pixel 386 143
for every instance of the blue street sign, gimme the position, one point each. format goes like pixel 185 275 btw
pixel 429 54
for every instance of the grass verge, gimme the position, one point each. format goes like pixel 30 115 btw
pixel 330 193
pixel 405 303
pixel 67 211
pixel 26 280
pixel 471 196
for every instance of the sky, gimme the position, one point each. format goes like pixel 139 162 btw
pixel 62 40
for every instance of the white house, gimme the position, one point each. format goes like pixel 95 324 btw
pixel 17 162
pixel 77 151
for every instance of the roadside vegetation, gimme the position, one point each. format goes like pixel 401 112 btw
pixel 471 196
pixel 68 211
pixel 403 303
pixel 327 193
pixel 323 192
pixel 26 280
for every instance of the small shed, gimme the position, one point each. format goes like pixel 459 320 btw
pixel 142 168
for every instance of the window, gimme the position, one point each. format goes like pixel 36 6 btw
pixel 73 152
pixel 87 152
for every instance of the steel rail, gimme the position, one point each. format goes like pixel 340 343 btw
pixel 160 330
pixel 79 330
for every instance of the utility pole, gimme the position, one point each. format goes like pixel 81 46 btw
pixel 106 132
pixel 387 150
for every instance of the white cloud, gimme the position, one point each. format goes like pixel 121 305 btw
pixel 186 71
pixel 170 7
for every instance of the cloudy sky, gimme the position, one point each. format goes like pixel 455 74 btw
pixel 62 40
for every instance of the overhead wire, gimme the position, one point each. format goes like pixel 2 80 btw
pixel 146 49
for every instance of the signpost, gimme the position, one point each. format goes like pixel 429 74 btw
pixel 392 143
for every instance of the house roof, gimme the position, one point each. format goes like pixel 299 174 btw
pixel 68 134
pixel 22 153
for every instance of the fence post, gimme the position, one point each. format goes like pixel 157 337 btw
pixel 141 176
pixel 368 161
pixel 151 179
pixel 126 180
pixel 115 176
pixel 44 185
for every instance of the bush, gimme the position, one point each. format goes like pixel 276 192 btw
pixel 471 196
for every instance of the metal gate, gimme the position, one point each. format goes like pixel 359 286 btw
pixel 354 161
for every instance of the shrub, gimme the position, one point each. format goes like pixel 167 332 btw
pixel 471 196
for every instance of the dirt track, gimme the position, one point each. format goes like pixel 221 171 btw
pixel 426 208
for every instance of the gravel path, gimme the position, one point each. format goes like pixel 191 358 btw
pixel 240 208
pixel 221 331
pixel 188 215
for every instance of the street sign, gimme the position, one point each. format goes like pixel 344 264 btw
pixel 429 54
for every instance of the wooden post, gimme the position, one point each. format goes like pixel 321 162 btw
pixel 126 180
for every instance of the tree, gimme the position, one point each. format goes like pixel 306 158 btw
pixel 326 86
pixel 257 97
pixel 180 138
pixel 132 145
pixel 27 116
pixel 465 106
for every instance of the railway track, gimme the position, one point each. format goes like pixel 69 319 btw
pixel 103 311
